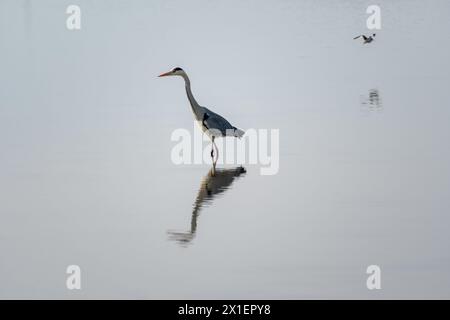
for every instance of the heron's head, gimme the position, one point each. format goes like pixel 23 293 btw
pixel 174 72
pixel 374 35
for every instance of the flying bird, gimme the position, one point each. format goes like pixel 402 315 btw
pixel 213 124
pixel 368 39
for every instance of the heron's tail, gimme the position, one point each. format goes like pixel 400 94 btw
pixel 238 133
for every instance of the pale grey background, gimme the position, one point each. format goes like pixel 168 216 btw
pixel 85 170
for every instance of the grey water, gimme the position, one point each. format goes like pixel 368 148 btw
pixel 86 176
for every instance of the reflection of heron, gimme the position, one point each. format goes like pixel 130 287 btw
pixel 213 124
pixel 214 183
pixel 368 39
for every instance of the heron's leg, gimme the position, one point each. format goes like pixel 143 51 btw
pixel 213 171
pixel 212 148
pixel 217 150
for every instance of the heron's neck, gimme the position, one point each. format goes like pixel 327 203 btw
pixel 194 105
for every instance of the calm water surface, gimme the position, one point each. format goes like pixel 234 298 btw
pixel 86 176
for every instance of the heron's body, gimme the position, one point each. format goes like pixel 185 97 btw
pixel 213 124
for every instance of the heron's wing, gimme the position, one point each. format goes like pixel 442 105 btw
pixel 214 121
pixel 364 37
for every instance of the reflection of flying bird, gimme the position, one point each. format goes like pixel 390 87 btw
pixel 374 97
pixel 213 124
pixel 214 183
pixel 373 101
pixel 368 39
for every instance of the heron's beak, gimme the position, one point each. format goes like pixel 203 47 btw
pixel 165 74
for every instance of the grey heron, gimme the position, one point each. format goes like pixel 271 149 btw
pixel 368 39
pixel 213 124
